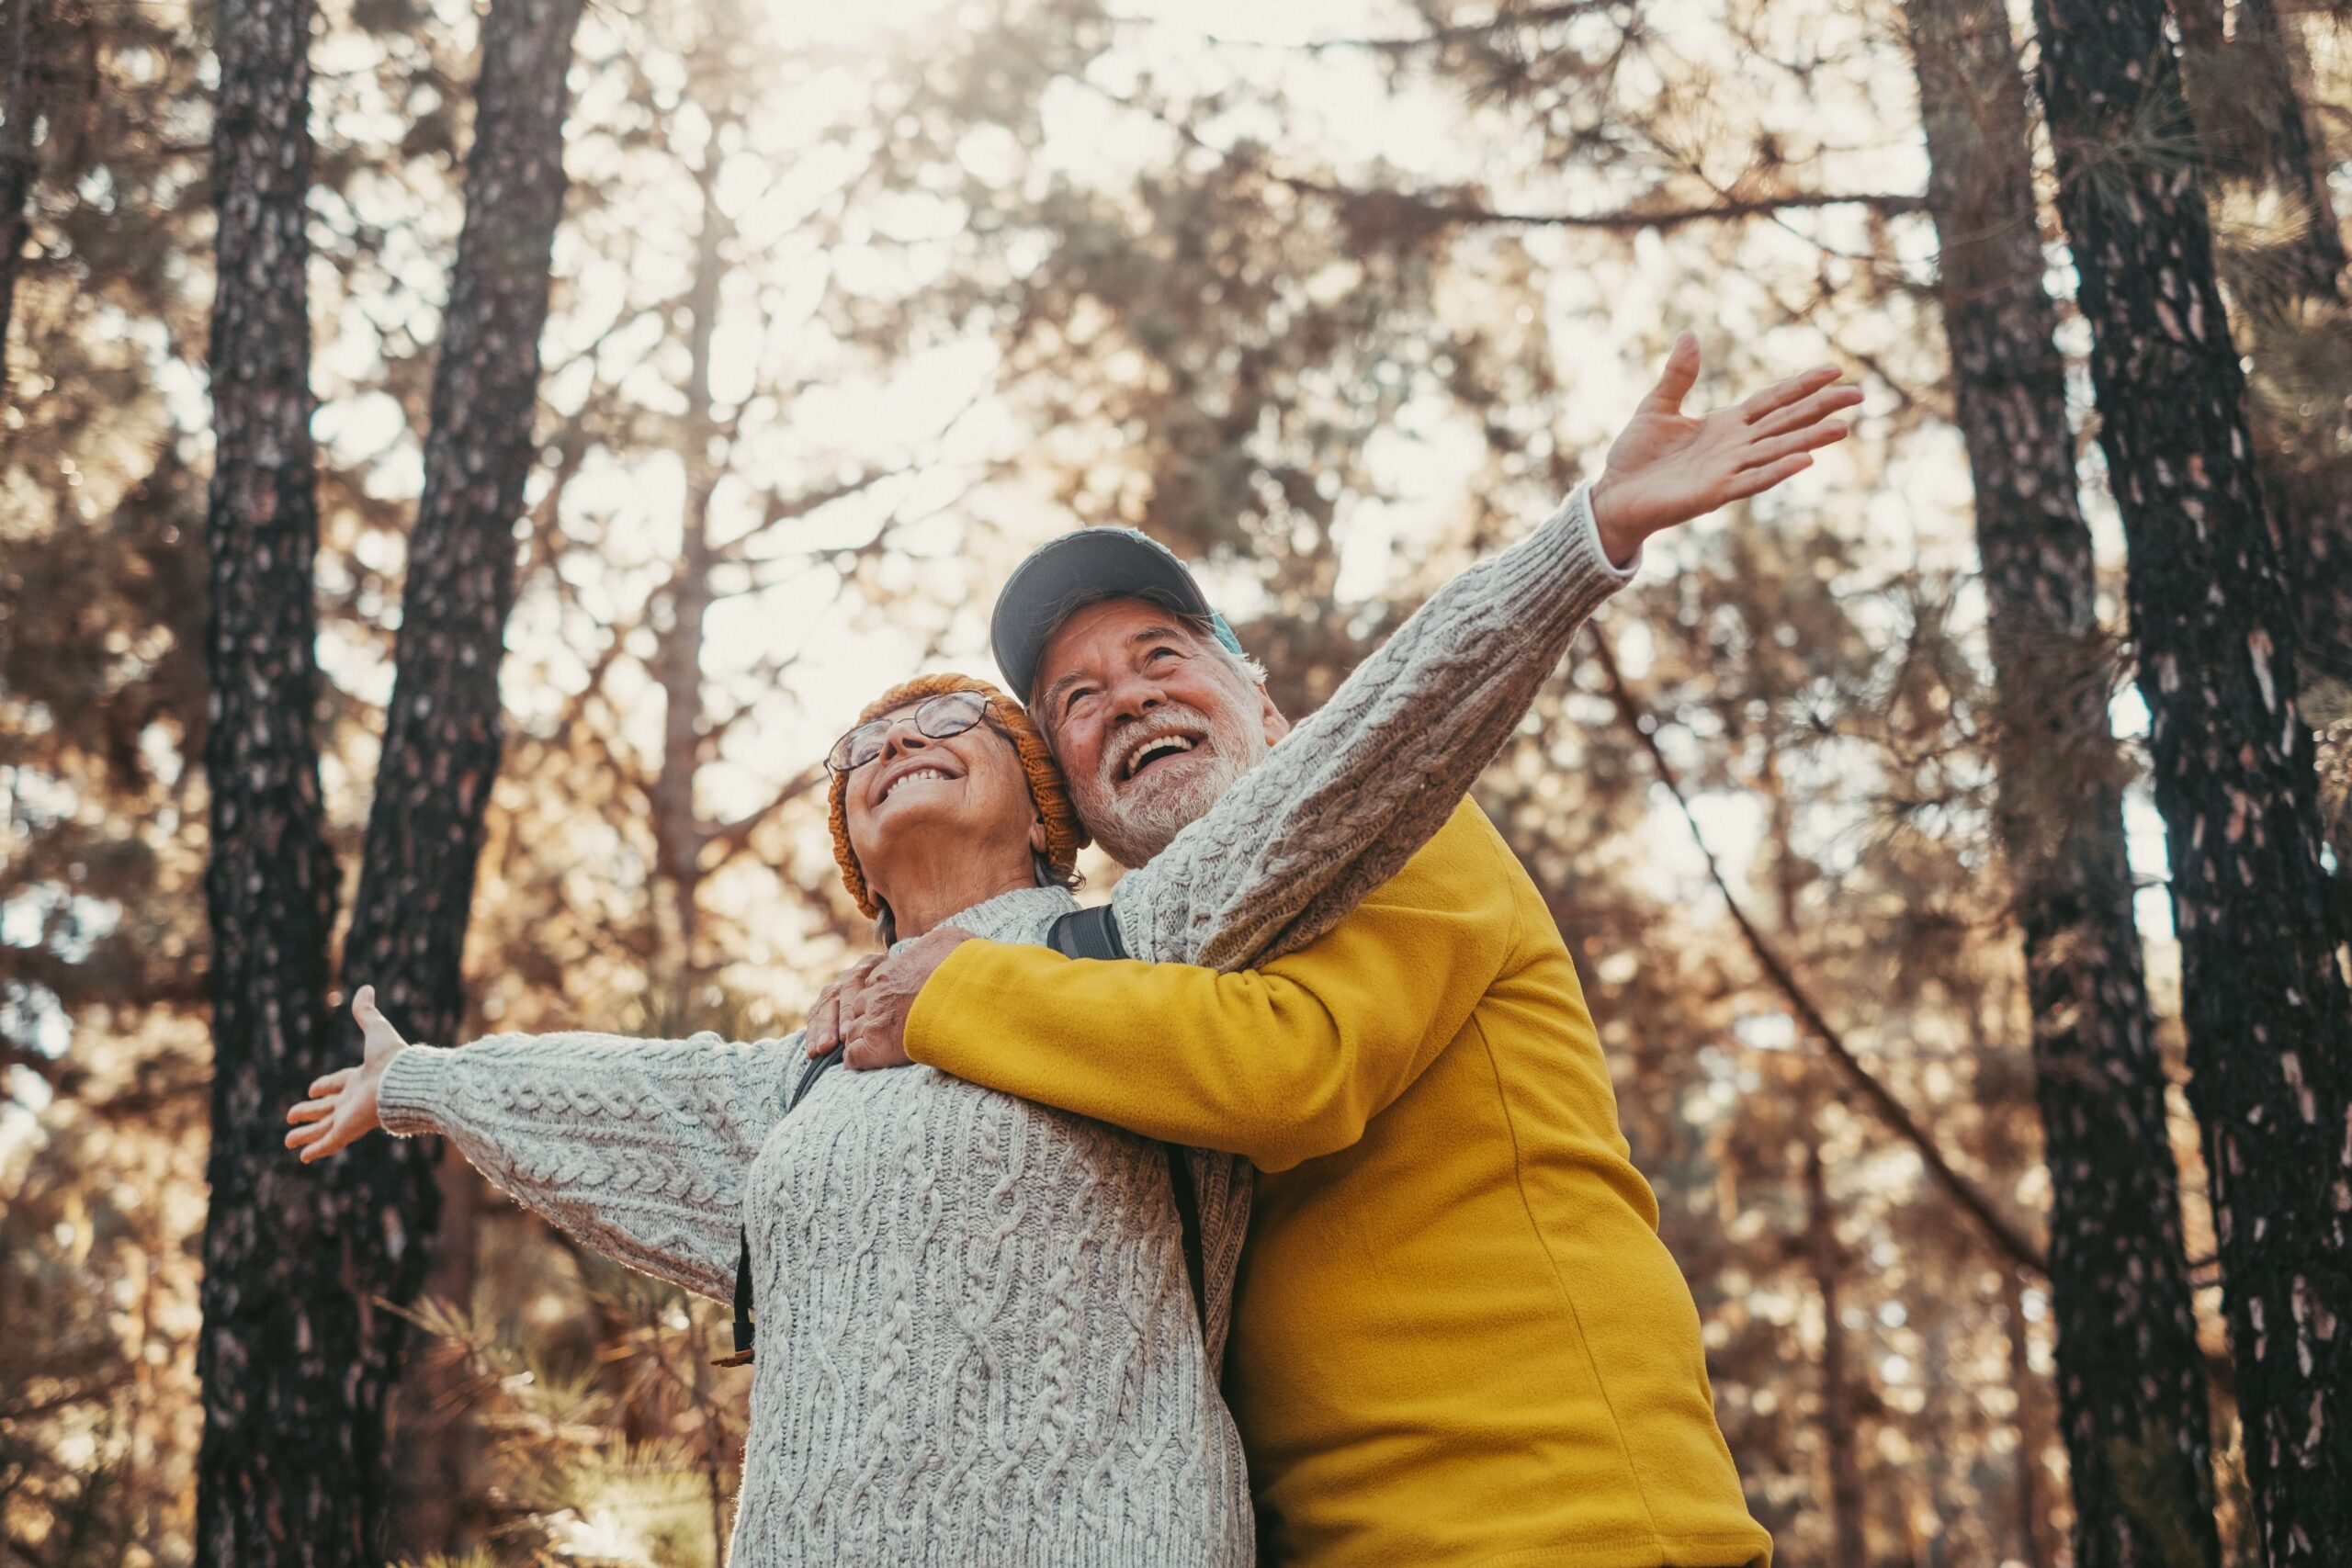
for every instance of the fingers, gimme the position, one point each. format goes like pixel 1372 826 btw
pixel 312 1109
pixel 332 1083
pixel 1812 438
pixel 829 1020
pixel 1815 406
pixel 1781 394
pixel 303 1137
pixel 362 1005
pixel 1756 482
pixel 1682 373
pixel 825 1021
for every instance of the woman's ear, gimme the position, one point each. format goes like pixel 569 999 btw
pixel 1037 836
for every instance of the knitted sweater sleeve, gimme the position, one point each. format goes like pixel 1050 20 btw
pixel 638 1147
pixel 1343 801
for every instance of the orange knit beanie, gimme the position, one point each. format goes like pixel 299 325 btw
pixel 1064 837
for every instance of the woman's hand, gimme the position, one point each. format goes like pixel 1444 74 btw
pixel 1666 468
pixel 341 1107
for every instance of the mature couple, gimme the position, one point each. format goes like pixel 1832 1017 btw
pixel 993 1293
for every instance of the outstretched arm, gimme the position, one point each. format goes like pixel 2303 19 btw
pixel 1346 798
pixel 638 1147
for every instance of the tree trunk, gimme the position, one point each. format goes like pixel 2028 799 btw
pixel 2130 1381
pixel 2264 1004
pixel 298 1357
pixel 2031 1421
pixel 1838 1432
pixel 2247 84
pixel 281 1460
pixel 679 829
pixel 443 729
pixel 20 34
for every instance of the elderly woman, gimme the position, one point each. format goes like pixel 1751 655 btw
pixel 979 1339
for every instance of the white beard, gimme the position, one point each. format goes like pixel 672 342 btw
pixel 1136 825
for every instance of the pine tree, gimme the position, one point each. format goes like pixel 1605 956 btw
pixel 298 1359
pixel 2268 1024
pixel 2131 1379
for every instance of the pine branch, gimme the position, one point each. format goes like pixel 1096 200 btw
pixel 2006 1237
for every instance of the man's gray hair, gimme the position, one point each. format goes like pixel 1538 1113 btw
pixel 1253 673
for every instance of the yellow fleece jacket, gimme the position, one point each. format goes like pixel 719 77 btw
pixel 1458 1337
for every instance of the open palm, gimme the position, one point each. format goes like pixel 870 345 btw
pixel 341 1107
pixel 1666 467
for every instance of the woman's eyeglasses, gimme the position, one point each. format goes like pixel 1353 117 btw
pixel 936 718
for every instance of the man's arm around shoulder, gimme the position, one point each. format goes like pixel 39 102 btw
pixel 1280 1063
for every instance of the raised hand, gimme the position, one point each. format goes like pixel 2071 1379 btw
pixel 1666 467
pixel 341 1107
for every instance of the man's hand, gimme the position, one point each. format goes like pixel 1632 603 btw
pixel 877 1000
pixel 341 1107
pixel 824 1032
pixel 1666 468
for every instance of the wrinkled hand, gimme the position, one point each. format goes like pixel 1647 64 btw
pixel 824 1032
pixel 1666 467
pixel 875 1004
pixel 341 1107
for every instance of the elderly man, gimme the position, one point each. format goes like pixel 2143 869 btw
pixel 1457 1336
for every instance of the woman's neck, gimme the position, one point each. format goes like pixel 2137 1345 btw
pixel 928 903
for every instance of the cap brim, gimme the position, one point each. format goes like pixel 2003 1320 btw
pixel 1075 569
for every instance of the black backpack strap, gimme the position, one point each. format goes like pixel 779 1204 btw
pixel 1088 933
pixel 816 1068
pixel 1188 1215
pixel 1094 933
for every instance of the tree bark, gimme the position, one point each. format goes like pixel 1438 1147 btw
pixel 1838 1432
pixel 281 1460
pixel 2246 85
pixel 21 33
pixel 2263 1003
pixel 444 727
pixel 2131 1380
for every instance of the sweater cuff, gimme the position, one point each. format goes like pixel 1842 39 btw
pixel 417 1088
pixel 931 1038
pixel 1577 515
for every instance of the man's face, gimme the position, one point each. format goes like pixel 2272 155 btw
pixel 1150 721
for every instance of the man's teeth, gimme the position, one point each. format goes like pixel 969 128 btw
pixel 1162 746
pixel 909 778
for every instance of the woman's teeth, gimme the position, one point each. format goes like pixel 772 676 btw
pixel 909 778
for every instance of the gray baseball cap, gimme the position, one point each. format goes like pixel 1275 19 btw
pixel 1079 568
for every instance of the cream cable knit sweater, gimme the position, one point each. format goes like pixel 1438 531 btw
pixel 976 1341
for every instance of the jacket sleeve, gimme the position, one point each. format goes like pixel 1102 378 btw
pixel 1343 801
pixel 638 1147
pixel 1279 1064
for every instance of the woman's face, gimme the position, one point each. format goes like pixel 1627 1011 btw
pixel 968 792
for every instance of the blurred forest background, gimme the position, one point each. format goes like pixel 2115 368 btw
pixel 850 305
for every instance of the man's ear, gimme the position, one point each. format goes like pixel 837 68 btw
pixel 1271 717
pixel 1037 836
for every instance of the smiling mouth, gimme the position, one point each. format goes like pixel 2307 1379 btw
pixel 909 778
pixel 1154 752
